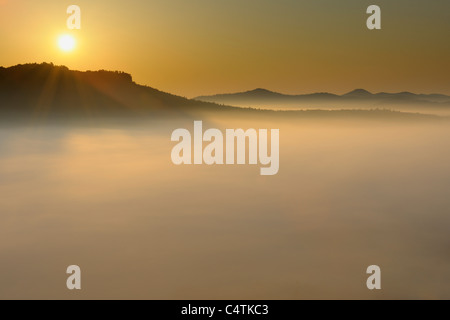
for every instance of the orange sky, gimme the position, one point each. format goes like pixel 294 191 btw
pixel 201 47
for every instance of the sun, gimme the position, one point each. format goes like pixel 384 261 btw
pixel 66 43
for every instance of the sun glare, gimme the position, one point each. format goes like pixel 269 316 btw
pixel 66 43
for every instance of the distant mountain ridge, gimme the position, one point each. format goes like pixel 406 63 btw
pixel 264 96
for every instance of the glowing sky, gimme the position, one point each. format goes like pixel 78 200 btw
pixel 200 47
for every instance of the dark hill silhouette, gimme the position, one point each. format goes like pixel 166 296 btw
pixel 358 93
pixel 47 90
pixel 260 93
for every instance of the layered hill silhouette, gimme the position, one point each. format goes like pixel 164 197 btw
pixel 359 98
pixel 55 92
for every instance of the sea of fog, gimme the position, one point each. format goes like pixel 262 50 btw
pixel 348 195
